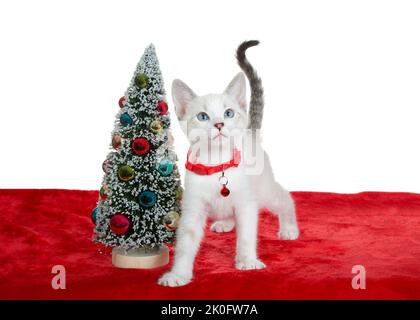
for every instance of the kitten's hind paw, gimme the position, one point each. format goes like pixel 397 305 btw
pixel 223 226
pixel 171 279
pixel 289 232
pixel 250 264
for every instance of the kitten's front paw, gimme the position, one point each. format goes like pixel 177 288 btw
pixel 223 226
pixel 250 264
pixel 289 232
pixel 171 279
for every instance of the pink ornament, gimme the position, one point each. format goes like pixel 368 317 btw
pixel 105 166
pixel 162 107
pixel 119 224
pixel 116 141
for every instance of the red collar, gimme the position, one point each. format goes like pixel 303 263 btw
pixel 204 170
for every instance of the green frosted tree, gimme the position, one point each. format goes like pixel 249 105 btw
pixel 139 201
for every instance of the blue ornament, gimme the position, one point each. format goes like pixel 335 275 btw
pixel 165 167
pixel 94 214
pixel 147 199
pixel 126 120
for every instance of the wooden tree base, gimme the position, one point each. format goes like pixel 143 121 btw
pixel 140 258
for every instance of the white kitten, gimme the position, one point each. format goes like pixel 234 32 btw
pixel 217 125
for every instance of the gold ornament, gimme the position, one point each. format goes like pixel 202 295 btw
pixel 103 193
pixel 156 126
pixel 178 193
pixel 170 220
pixel 141 80
pixel 125 173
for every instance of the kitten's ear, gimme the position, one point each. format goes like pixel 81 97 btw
pixel 182 95
pixel 237 89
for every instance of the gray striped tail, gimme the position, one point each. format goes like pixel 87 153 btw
pixel 256 104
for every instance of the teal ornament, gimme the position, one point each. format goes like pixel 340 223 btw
pixel 147 199
pixel 166 167
pixel 94 214
pixel 126 120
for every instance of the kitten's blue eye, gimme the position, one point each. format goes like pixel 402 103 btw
pixel 202 116
pixel 229 113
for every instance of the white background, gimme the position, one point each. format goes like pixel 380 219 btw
pixel 342 81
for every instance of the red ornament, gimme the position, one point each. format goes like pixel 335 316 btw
pixel 162 107
pixel 224 191
pixel 140 146
pixel 121 102
pixel 119 224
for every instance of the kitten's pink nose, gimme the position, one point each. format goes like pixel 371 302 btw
pixel 219 125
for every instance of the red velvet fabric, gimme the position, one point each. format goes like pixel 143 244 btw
pixel 43 228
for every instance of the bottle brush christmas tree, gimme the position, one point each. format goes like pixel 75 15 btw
pixel 139 200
